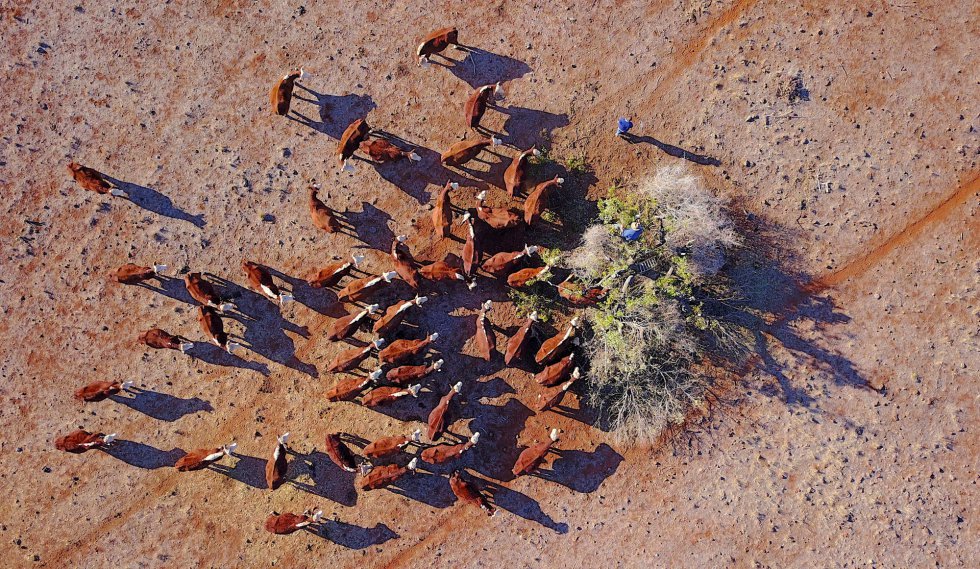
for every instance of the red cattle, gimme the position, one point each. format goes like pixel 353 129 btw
pixel 135 274
pixel 436 42
pixel 517 344
pixel 261 281
pixel 331 274
pixel 406 374
pixel 440 454
pixel 443 271
pixel 537 201
pixel 516 173
pixel 202 457
pixel 442 213
pixel 352 138
pixel 339 453
pixel 520 278
pixel 570 290
pixel 381 476
pixel 556 372
pixel 485 340
pixel 465 150
pixel 100 390
pixel 79 441
pixel 403 266
pixel 556 346
pixel 380 150
pixel 553 396
pixel 387 446
pixel 395 314
pixel 533 456
pixel 93 180
pixel 287 523
pixel 359 289
pixel 345 326
pixel 496 217
pixel 478 101
pixel 402 350
pixel 348 389
pixel 323 217
pixel 213 328
pixel 160 340
pixel 351 358
pixel 502 264
pixel 472 251
pixel 204 292
pixel 275 468
pixel 469 494
pixel 438 418
pixel 382 395
pixel 282 92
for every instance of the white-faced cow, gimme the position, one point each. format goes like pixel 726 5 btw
pixel 537 200
pixel 465 150
pixel 439 417
pixel 287 523
pixel 202 457
pixel 275 468
pixel 469 494
pixel 346 326
pixel 556 346
pixel 436 42
pixel 516 173
pixel 439 454
pixel 484 339
pixel 93 180
pixel 404 375
pixel 442 213
pixel 478 101
pixel 359 289
pixel 101 390
pixel 163 340
pixel 282 92
pixel 350 141
pixel 351 358
pixel 395 314
pixel 403 350
pixel 339 453
pixel 348 389
pixel 134 274
pixel 533 456
pixel 381 476
pixel 260 279
pixel 80 440
pixel 331 274
pixel 387 446
pixel 517 344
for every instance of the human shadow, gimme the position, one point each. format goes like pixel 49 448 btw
pixel 143 455
pixel 521 505
pixel 162 406
pixel 523 126
pixel 481 67
pixel 334 113
pixel 582 471
pixel 675 151
pixel 326 479
pixel 353 536
pixel 156 202
pixel 249 470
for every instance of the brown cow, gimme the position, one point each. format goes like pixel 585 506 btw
pixel 405 374
pixel 436 42
pixel 213 328
pixel 442 213
pixel 323 217
pixel 275 468
pixel 517 344
pixel 502 264
pixel 380 150
pixel 472 251
pixel 348 389
pixel 100 390
pixel 465 150
pixel 93 180
pixel 516 173
pixel 287 523
pixel 339 453
pixel 282 92
pixel 202 457
pixel 350 359
pixel 571 291
pixel 401 350
pixel 520 278
pixel 403 266
pixel 387 446
pixel 135 274
pixel 469 494
pixel 381 476
pixel 556 372
pixel 478 101
pixel 80 440
pixel 485 340
pixel 160 340
pixel 359 289
pixel 440 454
pixel 261 281
pixel 496 217
pixel 345 326
pixel 557 345
pixel 533 456
pixel 352 138
pixel 331 274
pixel 537 201
pixel 395 314
pixel 438 417
pixel 203 292
pixel 553 396
pixel 382 395
pixel 443 271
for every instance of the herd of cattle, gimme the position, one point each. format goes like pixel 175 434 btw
pixel 404 374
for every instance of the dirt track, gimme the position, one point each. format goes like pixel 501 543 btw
pixel 852 443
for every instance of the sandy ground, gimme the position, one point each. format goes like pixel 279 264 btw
pixel 851 442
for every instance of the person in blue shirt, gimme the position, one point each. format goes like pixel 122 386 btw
pixel 623 126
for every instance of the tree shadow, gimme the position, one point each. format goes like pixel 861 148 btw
pixel 143 455
pixel 162 406
pixel 524 126
pixel 582 471
pixel 249 470
pixel 335 112
pixel 481 67
pixel 675 151
pixel 521 505
pixel 328 480
pixel 156 202
pixel 355 537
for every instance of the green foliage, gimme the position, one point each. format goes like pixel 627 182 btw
pixel 551 257
pixel 531 300
pixel 577 164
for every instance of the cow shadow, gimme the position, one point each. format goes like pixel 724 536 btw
pixel 414 178
pixel 327 480
pixel 321 300
pixel 430 489
pixel 372 226
pixel 523 126
pixel 675 151
pixel 499 427
pixel 249 470
pixel 143 455
pixel 482 67
pixel 334 112
pixel 156 202
pixel 162 406
pixel 582 471
pixel 355 537
pixel 211 354
pixel 170 287
pixel 521 505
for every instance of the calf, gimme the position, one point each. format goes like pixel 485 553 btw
pixel 359 289
pixel 438 418
pixel 443 271
pixel 387 446
pixel 395 315
pixel 516 173
pixel 465 150
pixel 436 42
pixel 100 390
pixel 323 217
pixel 382 395
pixel 520 278
pixel 472 252
pixel 202 457
pixel 496 217
pixel 282 92
pixel 352 358
pixel 557 345
pixel 469 494
pixel 203 292
pixel 331 274
pixel 478 101
pixel 135 274
pixel 348 389
pixel 570 291
pixel 380 150
pixel 345 326
pixel 517 344
pixel 402 350
pixel 381 476
pixel 261 281
pixel 352 138
pixel 93 180
pixel 440 454
pixel 502 264
pixel 275 468
pixel 159 339
pixel 554 396
pixel 403 375
pixel 442 213
pixel 340 454
pixel 537 201
pixel 533 456
pixel 485 340
pixel 79 441
pixel 403 266
pixel 214 329
pixel 287 523
pixel 556 372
